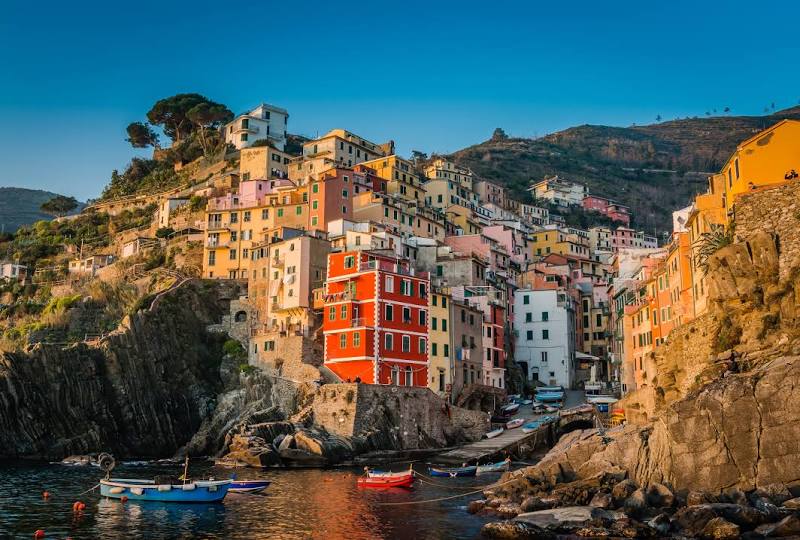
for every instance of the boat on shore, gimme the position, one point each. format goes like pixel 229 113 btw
pixel 500 466
pixel 148 490
pixel 531 426
pixel 454 472
pixel 515 423
pixel 494 433
pixel 510 409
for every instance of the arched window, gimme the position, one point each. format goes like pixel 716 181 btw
pixel 241 316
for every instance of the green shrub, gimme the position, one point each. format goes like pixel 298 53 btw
pixel 233 348
pixel 247 369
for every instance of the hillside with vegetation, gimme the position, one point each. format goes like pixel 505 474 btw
pixel 653 168
pixel 20 206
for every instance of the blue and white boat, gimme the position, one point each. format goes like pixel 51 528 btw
pixel 248 486
pixel 197 491
pixel 454 472
pixel 500 466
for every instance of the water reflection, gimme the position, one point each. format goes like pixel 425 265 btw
pixel 298 504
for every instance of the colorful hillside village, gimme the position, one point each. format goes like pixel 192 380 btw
pixel 423 273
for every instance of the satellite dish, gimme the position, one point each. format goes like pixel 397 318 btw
pixel 106 462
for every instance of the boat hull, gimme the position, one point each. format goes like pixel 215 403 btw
pixel 501 466
pixel 194 492
pixel 454 473
pixel 405 481
pixel 248 486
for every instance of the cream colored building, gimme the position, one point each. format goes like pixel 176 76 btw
pixel 337 148
pixel 401 178
pixel 442 169
pixel 263 163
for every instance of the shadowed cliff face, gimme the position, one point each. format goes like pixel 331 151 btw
pixel 142 392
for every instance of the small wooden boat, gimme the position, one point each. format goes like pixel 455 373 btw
pixel 549 397
pixel 509 409
pixel 376 473
pixel 406 480
pixel 248 486
pixel 453 472
pixel 494 433
pixel 500 466
pixel 531 426
pixel 147 490
pixel 515 423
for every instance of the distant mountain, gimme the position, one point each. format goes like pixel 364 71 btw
pixel 20 206
pixel 655 169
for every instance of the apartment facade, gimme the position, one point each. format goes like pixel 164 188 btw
pixel 265 122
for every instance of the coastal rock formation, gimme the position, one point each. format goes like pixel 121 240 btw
pixel 141 392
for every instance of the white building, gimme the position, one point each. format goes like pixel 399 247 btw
pixel 559 191
pixel 265 122
pixel 12 272
pixel 544 324
pixel 534 214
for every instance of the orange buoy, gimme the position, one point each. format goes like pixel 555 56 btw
pixel 45 495
pixel 77 506
pixel 39 533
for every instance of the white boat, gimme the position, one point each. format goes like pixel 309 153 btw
pixel 515 423
pixel 494 433
pixel 599 399
pixel 500 466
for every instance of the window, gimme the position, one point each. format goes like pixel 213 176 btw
pixel 422 320
pixel 388 342
pixel 342 341
pixel 444 302
pixel 314 221
pixel 265 213
pixel 314 204
pixel 446 350
pixel 212 258
pixel 298 210
pixel 545 316
pixel 246 216
pixel 344 194
pixel 234 217
pixel 526 299
pixel 390 284
pixel 406 343
pixel 389 313
pixel 280 212
pixel 357 339
pixel 332 313
pixel 444 325
pixel 232 254
pixel 344 311
pixel 434 349
pixel 529 335
pixel 409 376
pixel 349 261
pixel 529 317
pixel 406 315
pixel 545 334
pixel 433 323
pixel 544 357
pixel 421 346
pixel 433 300
pixel 314 188
pixel 243 137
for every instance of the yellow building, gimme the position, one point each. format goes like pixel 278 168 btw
pixel 234 224
pixel 572 243
pixel 440 340
pixel 263 162
pixel 463 218
pixel 447 170
pixel 401 178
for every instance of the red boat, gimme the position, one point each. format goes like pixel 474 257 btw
pixel 394 481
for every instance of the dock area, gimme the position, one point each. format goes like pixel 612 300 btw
pixel 510 440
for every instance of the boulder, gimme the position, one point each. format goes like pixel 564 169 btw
pixel 622 490
pixel 659 496
pixel 694 498
pixel 792 504
pixel 568 517
pixel 734 496
pixel 691 520
pixel 475 507
pixel 532 504
pixel 720 529
pixel 514 530
pixel 776 493
pixel 788 526
pixel 300 458
pixel 744 516
pixel 661 524
pixel 507 510
pixel 601 500
pixel 286 443
pixel 636 503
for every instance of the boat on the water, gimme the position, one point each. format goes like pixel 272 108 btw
pixel 377 473
pixel 404 480
pixel 494 433
pixel 197 491
pixel 500 466
pixel 248 486
pixel 515 423
pixel 453 472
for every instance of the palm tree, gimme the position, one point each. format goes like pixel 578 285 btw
pixel 710 242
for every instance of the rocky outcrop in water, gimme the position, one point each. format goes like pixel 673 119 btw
pixel 142 392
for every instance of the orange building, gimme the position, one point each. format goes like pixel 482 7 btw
pixel 375 319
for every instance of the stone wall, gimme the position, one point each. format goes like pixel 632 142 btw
pixel 401 417
pixel 294 357
pixel 774 210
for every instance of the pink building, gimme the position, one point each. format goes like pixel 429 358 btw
pixel 615 211
pixel 486 247
pixel 249 194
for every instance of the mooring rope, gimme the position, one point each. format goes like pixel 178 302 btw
pixel 88 490
pixel 439 499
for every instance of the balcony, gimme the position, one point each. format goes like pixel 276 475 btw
pixel 360 321
pixel 217 225
pixel 212 244
pixel 277 262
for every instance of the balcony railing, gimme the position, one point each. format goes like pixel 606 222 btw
pixel 359 321
pixel 217 225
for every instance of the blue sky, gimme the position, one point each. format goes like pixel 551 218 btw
pixel 433 76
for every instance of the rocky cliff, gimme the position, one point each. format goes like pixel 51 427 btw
pixel 719 417
pixel 143 391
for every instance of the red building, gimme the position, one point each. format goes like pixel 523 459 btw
pixel 375 319
pixel 615 211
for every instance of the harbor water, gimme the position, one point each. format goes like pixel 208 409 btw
pixel 298 504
